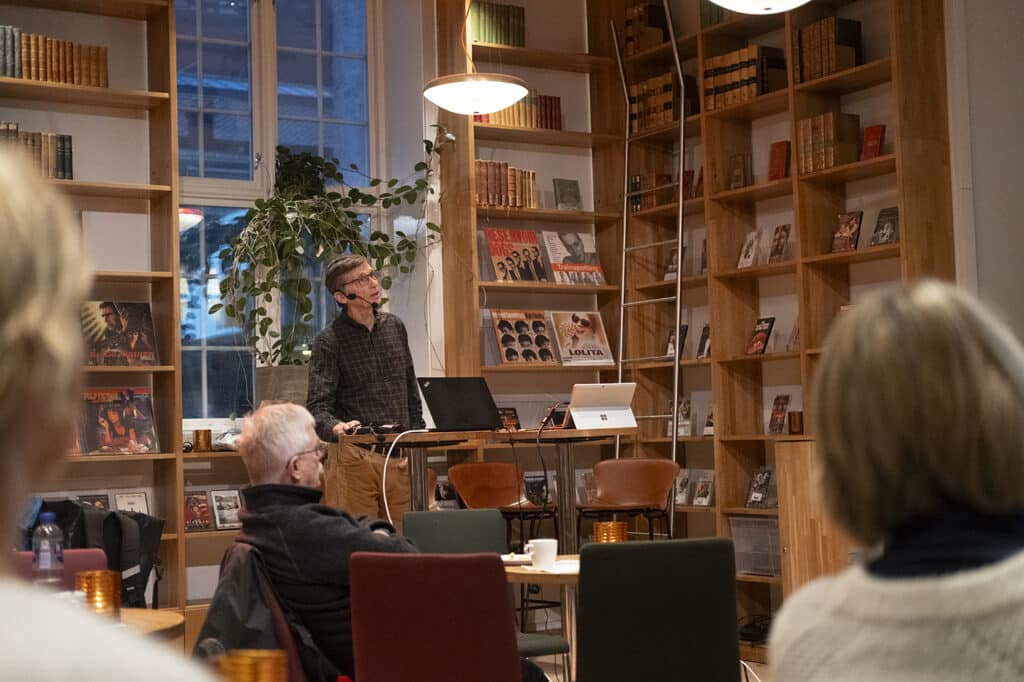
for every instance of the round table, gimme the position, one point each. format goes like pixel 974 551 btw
pixel 161 623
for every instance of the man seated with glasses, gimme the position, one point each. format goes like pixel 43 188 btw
pixel 361 374
pixel 304 546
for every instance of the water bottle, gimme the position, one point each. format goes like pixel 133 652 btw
pixel 48 553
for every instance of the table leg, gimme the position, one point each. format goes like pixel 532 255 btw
pixel 417 479
pixel 569 594
pixel 567 541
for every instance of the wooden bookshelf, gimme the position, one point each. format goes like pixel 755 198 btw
pixel 128 369
pixel 859 170
pixel 545 215
pixel 756 271
pixel 122 9
pixel 120 458
pixel 759 192
pixel 540 59
pixel 62 93
pixel 549 288
pixel 760 107
pixel 541 136
pixel 112 190
pixel 690 207
pixel 851 80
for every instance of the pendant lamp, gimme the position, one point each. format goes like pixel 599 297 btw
pixel 474 92
pixel 760 6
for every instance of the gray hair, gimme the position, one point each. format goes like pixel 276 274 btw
pixel 919 409
pixel 271 436
pixel 339 268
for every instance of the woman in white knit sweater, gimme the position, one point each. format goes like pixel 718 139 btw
pixel 920 430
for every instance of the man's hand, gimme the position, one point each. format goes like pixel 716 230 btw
pixel 344 428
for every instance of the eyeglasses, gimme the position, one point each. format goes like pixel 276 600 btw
pixel 363 280
pixel 320 451
pixel 581 320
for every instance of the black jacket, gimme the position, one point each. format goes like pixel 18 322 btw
pixel 305 548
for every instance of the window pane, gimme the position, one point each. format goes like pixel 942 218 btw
pixel 226 77
pixel 188 74
pixel 228 383
pixel 299 136
pixel 226 19
pixel 348 144
pixel 226 142
pixel 185 17
pixel 345 90
pixel 296 84
pixel 296 23
pixel 191 384
pixel 193 310
pixel 188 143
pixel 344 26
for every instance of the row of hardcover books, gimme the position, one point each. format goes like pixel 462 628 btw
pixel 50 153
pixel 549 337
pixel 498 24
pixel 40 58
pixel 825 47
pixel 833 139
pixel 499 184
pixel 645 27
pixel 655 101
pixel 742 75
pixel 533 111
pixel 546 256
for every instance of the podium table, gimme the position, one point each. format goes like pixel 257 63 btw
pixel 415 445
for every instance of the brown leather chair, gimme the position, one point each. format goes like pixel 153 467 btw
pixel 499 485
pixel 631 486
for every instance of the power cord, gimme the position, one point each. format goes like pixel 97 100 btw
pixel 384 477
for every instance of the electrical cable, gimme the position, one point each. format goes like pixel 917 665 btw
pixel 384 476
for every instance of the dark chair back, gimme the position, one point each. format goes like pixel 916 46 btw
pixel 661 610
pixel 75 561
pixel 449 612
pixel 456 531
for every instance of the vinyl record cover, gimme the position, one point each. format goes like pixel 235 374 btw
pixel 581 338
pixel 887 227
pixel 118 420
pixel 848 232
pixel 516 255
pixel 759 339
pixel 524 337
pixel 197 511
pixel 777 423
pixel 119 333
pixel 573 257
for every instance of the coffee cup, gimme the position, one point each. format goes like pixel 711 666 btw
pixel 542 552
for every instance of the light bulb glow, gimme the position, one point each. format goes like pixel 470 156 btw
pixel 475 93
pixel 760 6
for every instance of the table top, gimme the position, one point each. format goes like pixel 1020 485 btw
pixel 419 439
pixel 162 623
pixel 555 435
pixel 524 574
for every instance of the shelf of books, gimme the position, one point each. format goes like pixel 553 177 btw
pixel 77 88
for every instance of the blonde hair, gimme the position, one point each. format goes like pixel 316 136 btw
pixel 271 436
pixel 44 279
pixel 919 402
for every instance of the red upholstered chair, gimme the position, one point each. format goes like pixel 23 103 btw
pixel 631 486
pixel 448 617
pixel 75 561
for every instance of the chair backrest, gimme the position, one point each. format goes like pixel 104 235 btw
pixel 677 622
pixel 450 614
pixel 487 485
pixel 635 482
pixel 75 561
pixel 456 531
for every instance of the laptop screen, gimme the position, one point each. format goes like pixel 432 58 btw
pixel 460 403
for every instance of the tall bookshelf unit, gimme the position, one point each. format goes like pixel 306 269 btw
pixel 899 82
pixel 140 104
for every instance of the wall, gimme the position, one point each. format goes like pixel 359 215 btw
pixel 984 51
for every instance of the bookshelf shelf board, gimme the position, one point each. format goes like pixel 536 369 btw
pixel 666 364
pixel 747 511
pixel 668 132
pixel 773 103
pixel 217 454
pixel 747 26
pixel 550 215
pixel 690 207
pixel 679 439
pixel 129 369
pixel 124 9
pixel 758 579
pixel 111 190
pixel 549 288
pixel 168 537
pixel 760 192
pixel 694 509
pixel 540 59
pixel 767 357
pixel 764 437
pixel 865 255
pixel 851 80
pixel 534 367
pixel 813 351
pixel 82 459
pixel 769 270
pixel 206 534
pixel 668 286
pixel 687 46
pixel 541 136
pixel 111 277
pixel 62 93
pixel 858 170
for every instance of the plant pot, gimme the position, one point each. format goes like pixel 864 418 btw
pixel 286 383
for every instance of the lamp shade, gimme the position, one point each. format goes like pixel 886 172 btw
pixel 189 217
pixel 760 6
pixel 475 93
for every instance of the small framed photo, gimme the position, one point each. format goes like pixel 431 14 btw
pixel 132 502
pixel 100 501
pixel 567 195
pixel 197 511
pixel 226 505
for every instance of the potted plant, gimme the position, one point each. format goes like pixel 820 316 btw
pixel 317 212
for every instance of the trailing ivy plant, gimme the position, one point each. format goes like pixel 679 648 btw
pixel 317 212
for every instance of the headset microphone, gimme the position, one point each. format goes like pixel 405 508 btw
pixel 353 297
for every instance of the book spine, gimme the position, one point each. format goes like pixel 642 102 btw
pixel 76 65
pixel 17 53
pixel 69 162
pixel 60 158
pixel 26 55
pixel 104 69
pixel 794 56
pixel 829 137
pixel 818 143
pixel 5 63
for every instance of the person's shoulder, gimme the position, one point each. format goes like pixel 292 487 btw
pixel 811 605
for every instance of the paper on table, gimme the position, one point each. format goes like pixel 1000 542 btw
pixel 560 566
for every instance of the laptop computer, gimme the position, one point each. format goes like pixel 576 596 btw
pixel 460 403
pixel 601 406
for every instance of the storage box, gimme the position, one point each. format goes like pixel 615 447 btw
pixel 757 546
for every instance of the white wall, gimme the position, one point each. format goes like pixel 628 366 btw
pixel 984 56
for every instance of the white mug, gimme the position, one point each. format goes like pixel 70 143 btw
pixel 542 552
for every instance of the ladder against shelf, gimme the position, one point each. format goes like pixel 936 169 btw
pixel 669 210
pixel 665 286
pixel 668 131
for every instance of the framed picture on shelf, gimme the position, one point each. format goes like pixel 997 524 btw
pixel 226 504
pixel 748 254
pixel 887 227
pixel 780 406
pixel 780 242
pixel 197 511
pixel 99 501
pixel 759 339
pixel 704 345
pixel 135 501
pixel 847 233
pixel 567 194
pixel 119 333
pixel 674 338
pixel 683 487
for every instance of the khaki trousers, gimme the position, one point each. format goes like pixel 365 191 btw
pixel 353 480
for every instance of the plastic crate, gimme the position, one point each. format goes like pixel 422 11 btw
pixel 757 546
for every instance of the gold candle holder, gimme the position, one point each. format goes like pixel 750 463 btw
pixel 102 591
pixel 796 422
pixel 253 665
pixel 202 440
pixel 610 531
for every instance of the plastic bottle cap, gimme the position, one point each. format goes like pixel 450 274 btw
pixel 48 517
